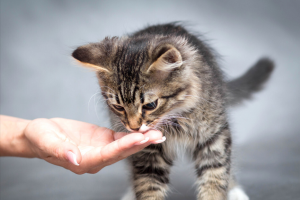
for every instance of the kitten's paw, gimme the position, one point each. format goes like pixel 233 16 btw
pixel 129 195
pixel 237 194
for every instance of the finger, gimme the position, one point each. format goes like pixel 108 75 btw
pixel 114 149
pixel 127 145
pixel 151 137
pixel 152 134
pixel 119 135
pixel 155 137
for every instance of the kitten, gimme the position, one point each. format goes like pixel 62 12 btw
pixel 164 78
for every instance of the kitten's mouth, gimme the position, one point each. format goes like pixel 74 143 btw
pixel 142 129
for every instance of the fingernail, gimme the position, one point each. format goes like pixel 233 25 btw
pixel 72 158
pixel 143 141
pixel 160 141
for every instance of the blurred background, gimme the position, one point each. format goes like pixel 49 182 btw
pixel 39 79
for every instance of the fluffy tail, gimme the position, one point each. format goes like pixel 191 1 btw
pixel 252 81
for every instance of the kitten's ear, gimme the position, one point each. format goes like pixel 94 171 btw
pixel 166 59
pixel 95 55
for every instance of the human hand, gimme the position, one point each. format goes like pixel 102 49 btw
pixel 67 143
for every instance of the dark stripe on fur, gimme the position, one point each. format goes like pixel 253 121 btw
pixel 151 170
pixel 213 166
pixel 117 99
pixel 209 141
pixel 228 143
pixel 222 188
pixel 179 90
pixel 104 95
pixel 142 97
pixel 206 167
pixel 159 148
pixel 160 179
pixel 121 95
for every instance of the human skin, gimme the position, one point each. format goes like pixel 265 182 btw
pixel 77 146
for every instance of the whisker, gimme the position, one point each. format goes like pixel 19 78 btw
pixel 96 106
pixel 90 101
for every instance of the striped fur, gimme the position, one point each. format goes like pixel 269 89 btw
pixel 165 78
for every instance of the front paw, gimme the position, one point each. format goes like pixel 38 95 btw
pixel 237 194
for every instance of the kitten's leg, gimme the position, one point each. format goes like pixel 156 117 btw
pixel 237 193
pixel 212 162
pixel 151 168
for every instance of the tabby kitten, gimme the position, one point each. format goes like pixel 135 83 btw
pixel 164 78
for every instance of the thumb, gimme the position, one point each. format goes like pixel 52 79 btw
pixel 48 140
pixel 62 149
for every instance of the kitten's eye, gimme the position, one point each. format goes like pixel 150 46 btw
pixel 150 106
pixel 119 108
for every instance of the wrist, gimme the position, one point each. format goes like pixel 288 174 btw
pixel 13 141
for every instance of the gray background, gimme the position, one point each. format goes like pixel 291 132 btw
pixel 39 79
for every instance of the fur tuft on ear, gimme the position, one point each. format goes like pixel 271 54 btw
pixel 166 59
pixel 96 55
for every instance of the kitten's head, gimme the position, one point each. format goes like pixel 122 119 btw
pixel 145 80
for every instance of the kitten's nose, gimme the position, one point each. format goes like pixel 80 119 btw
pixel 135 129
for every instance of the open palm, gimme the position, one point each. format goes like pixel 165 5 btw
pixel 66 142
